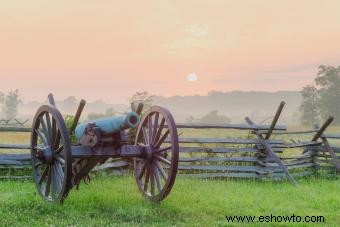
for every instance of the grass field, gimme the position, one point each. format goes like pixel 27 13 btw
pixel 116 202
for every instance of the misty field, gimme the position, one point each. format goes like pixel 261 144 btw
pixel 116 201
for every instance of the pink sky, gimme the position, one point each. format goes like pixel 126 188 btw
pixel 110 49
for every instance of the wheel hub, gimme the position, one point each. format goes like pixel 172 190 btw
pixel 46 155
pixel 149 152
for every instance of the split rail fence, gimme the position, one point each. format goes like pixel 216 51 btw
pixel 257 155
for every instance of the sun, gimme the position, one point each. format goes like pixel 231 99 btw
pixel 192 77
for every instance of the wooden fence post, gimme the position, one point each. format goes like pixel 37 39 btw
pixel 270 154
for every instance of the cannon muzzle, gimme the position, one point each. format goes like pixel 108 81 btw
pixel 111 124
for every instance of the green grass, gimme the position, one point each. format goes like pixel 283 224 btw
pixel 116 202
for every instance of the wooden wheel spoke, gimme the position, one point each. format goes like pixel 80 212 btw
pixel 147 178
pixel 43 175
pixel 159 131
pixel 49 126
pixel 57 140
pixel 161 140
pixel 60 159
pixel 48 184
pixel 150 128
pixel 54 131
pixel 54 181
pixel 37 164
pixel 152 180
pixel 42 137
pixel 38 148
pixel 146 137
pixel 59 175
pixel 162 149
pixel 142 171
pixel 161 170
pixel 158 180
pixel 60 170
pixel 162 159
pixel 44 129
pixel 155 127
pixel 59 150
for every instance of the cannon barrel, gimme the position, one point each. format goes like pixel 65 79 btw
pixel 111 124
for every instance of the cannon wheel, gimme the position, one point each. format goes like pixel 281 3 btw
pixel 51 154
pixel 156 170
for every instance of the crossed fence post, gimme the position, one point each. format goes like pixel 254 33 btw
pixel 263 140
pixel 320 135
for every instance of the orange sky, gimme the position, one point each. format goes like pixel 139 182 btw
pixel 110 49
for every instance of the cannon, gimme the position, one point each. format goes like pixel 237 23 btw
pixel 59 164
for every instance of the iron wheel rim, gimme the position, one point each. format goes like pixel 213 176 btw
pixel 156 172
pixel 51 154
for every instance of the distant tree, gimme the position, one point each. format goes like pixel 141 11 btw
pixel 295 117
pixel 70 103
pixel 309 107
pixel 214 118
pixel 141 97
pixel 108 113
pixel 190 119
pixel 328 82
pixel 10 104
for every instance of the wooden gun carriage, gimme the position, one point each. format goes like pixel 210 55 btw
pixel 60 165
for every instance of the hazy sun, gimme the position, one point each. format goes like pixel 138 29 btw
pixel 192 77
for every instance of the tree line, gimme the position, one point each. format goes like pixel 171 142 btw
pixel 319 100
pixel 322 98
pixel 9 104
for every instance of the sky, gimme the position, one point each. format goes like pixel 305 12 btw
pixel 110 49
